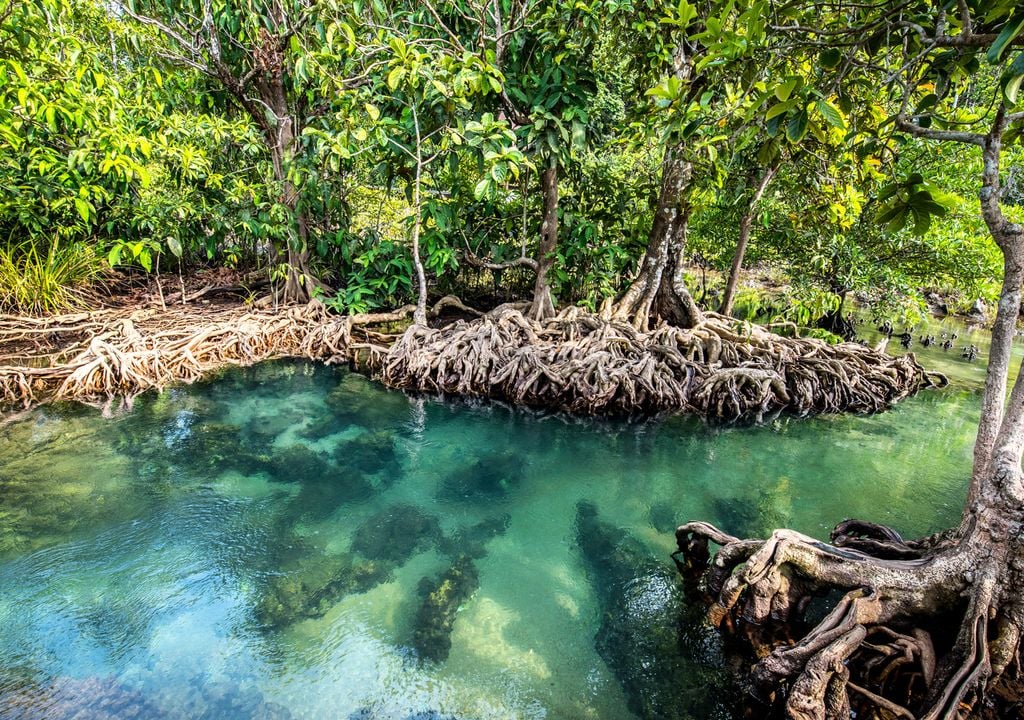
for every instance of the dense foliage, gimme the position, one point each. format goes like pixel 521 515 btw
pixel 362 151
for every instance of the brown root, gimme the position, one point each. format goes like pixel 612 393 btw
pixel 873 653
pixel 95 356
pixel 581 363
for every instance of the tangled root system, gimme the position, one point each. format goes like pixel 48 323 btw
pixel 582 364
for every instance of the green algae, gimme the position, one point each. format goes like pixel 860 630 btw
pixel 441 599
pixel 643 633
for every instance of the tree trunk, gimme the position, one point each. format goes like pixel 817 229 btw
pixel 741 243
pixel 282 140
pixel 659 294
pixel 543 305
pixel 419 316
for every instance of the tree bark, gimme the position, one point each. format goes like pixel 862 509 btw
pixel 282 140
pixel 744 238
pixel 543 305
pixel 420 314
pixel 1010 238
pixel 659 294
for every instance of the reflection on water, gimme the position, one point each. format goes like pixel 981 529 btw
pixel 291 541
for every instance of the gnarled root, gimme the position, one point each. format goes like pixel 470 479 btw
pixel 584 364
pixel 885 649
pixel 94 356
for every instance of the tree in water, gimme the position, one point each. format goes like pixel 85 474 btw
pixel 927 628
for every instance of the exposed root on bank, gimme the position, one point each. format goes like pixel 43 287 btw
pixel 583 364
pixel 575 362
pixel 923 629
pixel 94 356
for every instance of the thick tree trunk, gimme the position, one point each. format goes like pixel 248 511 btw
pixel 746 223
pixel 1010 239
pixel 543 305
pixel 659 294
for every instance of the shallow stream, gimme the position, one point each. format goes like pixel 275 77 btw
pixel 293 541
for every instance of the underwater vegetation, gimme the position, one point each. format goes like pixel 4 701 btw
pixel 490 477
pixel 313 582
pixel 441 598
pixel 306 582
pixel 645 638
pixel 756 513
pixel 356 400
pixel 396 533
pixel 372 452
pixel 663 517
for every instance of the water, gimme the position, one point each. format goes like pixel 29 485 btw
pixel 291 541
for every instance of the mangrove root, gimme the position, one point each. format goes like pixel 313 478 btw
pixel 580 363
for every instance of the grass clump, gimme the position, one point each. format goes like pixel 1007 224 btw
pixel 38 281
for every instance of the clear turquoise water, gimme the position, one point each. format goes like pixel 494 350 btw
pixel 294 541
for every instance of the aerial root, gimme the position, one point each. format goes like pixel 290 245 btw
pixel 92 357
pixel 575 362
pixel 872 652
pixel 581 363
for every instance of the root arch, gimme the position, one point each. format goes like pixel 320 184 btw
pixel 885 649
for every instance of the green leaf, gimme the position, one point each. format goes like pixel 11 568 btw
pixel 83 208
pixel 395 77
pixel 114 256
pixel 830 58
pixel 832 116
pixel 779 109
pixel 481 188
pixel 1012 79
pixel 784 90
pixel 797 127
pixel 927 103
pixel 174 245
pixel 1011 30
pixel 579 134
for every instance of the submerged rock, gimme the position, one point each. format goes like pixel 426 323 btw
pixel 470 541
pixel 756 514
pixel 298 463
pixel 662 517
pixel 396 533
pixel 441 599
pixel 649 637
pixel 212 447
pixel 492 476
pixel 323 486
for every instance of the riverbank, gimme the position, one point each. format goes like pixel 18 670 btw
pixel 576 362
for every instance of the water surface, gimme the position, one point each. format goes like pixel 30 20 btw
pixel 292 541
